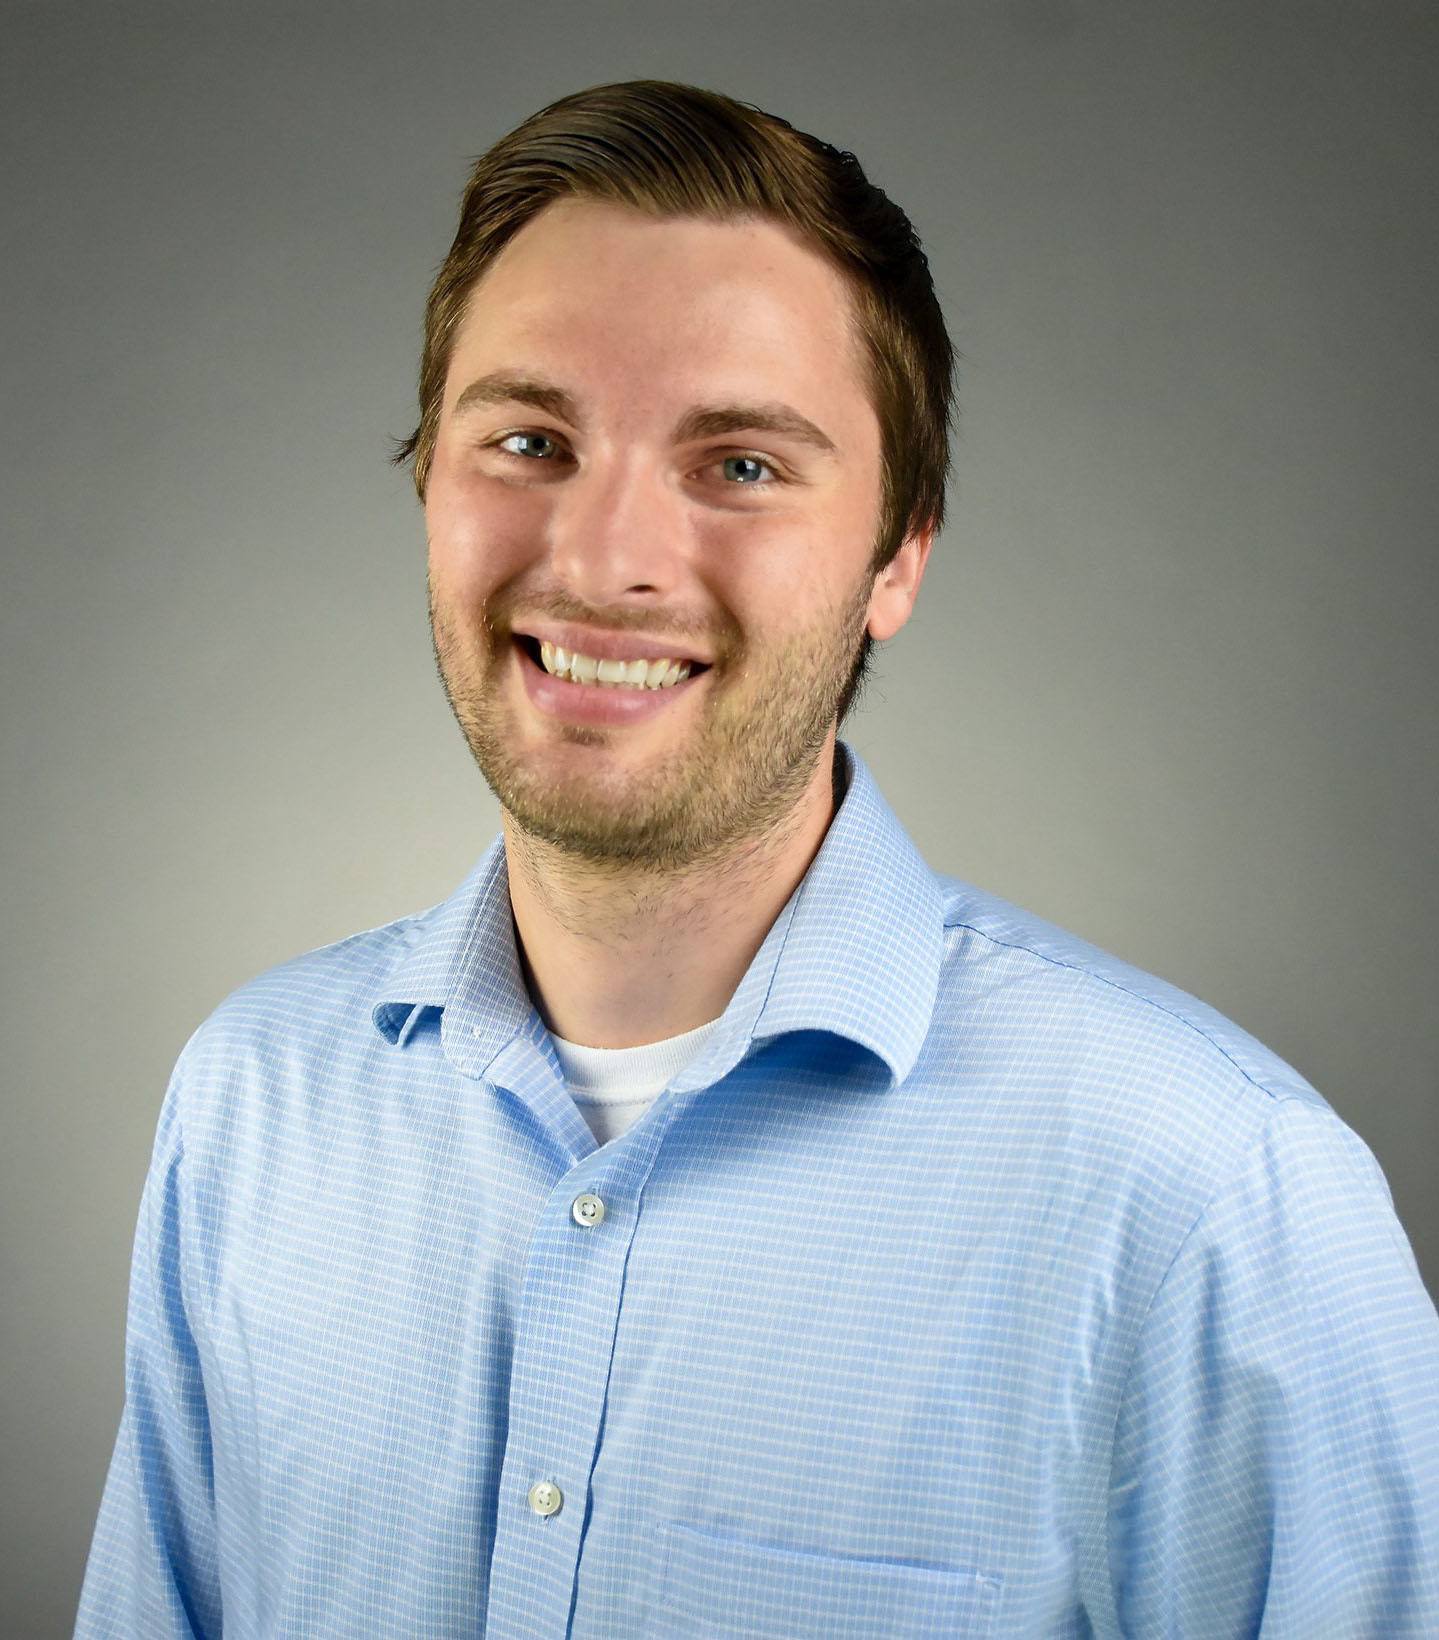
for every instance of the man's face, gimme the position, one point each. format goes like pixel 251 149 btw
pixel 605 525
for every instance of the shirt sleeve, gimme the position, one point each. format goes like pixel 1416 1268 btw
pixel 1276 1460
pixel 153 1565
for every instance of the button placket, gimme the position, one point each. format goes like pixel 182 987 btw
pixel 587 1210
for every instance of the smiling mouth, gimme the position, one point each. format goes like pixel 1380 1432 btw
pixel 659 673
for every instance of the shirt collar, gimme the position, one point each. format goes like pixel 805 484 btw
pixel 855 951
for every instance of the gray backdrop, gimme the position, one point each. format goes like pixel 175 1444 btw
pixel 1171 681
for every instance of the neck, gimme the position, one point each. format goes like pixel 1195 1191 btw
pixel 616 959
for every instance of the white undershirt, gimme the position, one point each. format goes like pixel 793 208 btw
pixel 614 1087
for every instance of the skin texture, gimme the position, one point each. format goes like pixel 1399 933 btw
pixel 648 860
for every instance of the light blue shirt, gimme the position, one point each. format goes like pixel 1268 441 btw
pixel 969 1281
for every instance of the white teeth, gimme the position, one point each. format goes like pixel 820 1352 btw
pixel 636 674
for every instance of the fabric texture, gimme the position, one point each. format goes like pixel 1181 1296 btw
pixel 968 1281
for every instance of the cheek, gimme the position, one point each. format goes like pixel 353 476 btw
pixel 779 572
pixel 479 535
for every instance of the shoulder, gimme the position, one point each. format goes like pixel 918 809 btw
pixel 1072 988
pixel 307 993
pixel 289 1023
pixel 1124 1075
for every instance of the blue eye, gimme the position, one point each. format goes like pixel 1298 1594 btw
pixel 500 444
pixel 752 461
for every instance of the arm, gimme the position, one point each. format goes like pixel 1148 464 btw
pixel 153 1565
pixel 1276 1459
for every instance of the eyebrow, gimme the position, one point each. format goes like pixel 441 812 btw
pixel 699 421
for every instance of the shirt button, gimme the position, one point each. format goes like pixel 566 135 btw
pixel 545 1497
pixel 587 1210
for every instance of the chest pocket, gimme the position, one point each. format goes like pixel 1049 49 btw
pixel 719 1588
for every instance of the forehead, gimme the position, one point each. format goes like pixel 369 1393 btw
pixel 611 285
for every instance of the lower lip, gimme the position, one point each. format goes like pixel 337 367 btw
pixel 595 702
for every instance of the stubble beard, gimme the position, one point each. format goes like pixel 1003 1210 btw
pixel 739 772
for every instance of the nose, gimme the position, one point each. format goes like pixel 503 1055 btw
pixel 616 532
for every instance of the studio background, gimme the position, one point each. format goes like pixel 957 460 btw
pixel 1171 678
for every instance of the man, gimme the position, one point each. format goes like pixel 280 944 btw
pixel 710 1221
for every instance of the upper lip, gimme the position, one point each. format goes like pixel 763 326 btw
pixel 608 646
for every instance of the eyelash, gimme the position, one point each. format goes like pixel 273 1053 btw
pixel 539 432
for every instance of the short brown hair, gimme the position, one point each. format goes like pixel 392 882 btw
pixel 675 150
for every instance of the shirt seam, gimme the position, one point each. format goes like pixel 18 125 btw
pixel 1129 991
pixel 1224 1185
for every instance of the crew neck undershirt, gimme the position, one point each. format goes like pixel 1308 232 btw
pixel 614 1087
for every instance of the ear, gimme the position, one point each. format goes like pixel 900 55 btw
pixel 897 585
